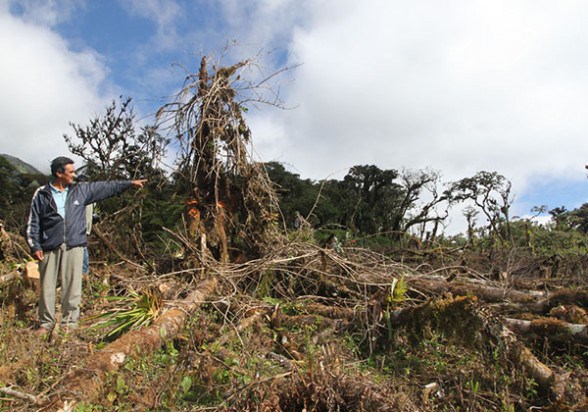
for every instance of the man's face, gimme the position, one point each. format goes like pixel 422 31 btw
pixel 68 176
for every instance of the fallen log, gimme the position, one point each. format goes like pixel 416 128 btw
pixel 35 400
pixel 466 320
pixel 577 297
pixel 86 384
pixel 552 329
pixel 484 293
pixel 331 312
pixel 8 277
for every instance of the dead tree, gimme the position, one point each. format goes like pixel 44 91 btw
pixel 231 207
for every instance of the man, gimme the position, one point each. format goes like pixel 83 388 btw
pixel 56 234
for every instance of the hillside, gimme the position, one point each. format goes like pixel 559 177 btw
pixel 21 166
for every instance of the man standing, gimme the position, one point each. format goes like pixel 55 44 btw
pixel 56 234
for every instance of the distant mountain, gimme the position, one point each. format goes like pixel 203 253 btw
pixel 20 166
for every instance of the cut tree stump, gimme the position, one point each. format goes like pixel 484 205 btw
pixel 33 276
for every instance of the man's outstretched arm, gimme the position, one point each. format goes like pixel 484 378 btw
pixel 102 190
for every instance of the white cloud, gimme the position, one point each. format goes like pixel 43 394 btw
pixel 457 86
pixel 45 86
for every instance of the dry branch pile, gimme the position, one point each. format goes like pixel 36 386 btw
pixel 308 327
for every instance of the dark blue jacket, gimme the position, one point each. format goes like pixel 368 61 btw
pixel 47 230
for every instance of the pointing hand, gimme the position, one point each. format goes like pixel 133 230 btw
pixel 138 183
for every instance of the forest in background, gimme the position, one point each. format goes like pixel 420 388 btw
pixel 371 207
pixel 229 284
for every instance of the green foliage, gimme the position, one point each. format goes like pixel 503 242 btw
pixel 133 312
pixel 575 219
pixel 323 202
pixel 265 284
pixel 186 384
pixel 490 192
pixel 368 200
pixel 372 200
pixel 16 190
pixel 398 291
pixel 8 182
pixel 397 295
pixel 548 240
pixel 89 407
pixel 531 388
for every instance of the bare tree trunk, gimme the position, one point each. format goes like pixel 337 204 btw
pixel 577 297
pixel 483 292
pixel 86 384
pixel 35 400
pixel 552 329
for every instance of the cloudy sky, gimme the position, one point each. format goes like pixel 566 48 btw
pixel 457 86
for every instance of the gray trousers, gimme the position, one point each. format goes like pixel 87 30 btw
pixel 67 265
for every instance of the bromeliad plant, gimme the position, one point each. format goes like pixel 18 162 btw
pixel 397 295
pixel 135 311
